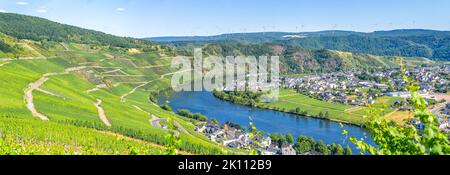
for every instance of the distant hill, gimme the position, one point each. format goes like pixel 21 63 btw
pixel 297 59
pixel 406 42
pixel 35 28
pixel 234 37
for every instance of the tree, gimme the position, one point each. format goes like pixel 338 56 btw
pixel 166 106
pixel 304 145
pixel 213 120
pixel 327 115
pixel 339 150
pixel 348 151
pixel 200 117
pixel 289 138
pixel 278 138
pixel 321 148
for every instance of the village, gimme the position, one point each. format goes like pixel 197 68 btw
pixel 362 88
pixel 233 136
pixel 357 88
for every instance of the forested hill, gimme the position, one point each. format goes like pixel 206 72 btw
pixel 297 59
pixel 38 29
pixel 410 43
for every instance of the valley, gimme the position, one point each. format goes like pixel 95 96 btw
pixel 69 90
pixel 91 89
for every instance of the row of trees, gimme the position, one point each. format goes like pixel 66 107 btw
pixel 197 116
pixel 247 98
pixel 304 145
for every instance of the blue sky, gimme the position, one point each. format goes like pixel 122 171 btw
pixel 148 18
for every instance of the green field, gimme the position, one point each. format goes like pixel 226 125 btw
pixel 290 100
pixel 34 137
pixel 64 99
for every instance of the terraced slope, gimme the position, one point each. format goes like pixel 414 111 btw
pixel 99 90
pixel 56 89
pixel 30 136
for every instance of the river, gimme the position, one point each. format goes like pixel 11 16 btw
pixel 265 120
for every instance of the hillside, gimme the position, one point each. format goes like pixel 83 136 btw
pixel 297 59
pixel 33 137
pixel 39 29
pixel 82 84
pixel 408 43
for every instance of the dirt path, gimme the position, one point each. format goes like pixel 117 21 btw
pixel 154 121
pixel 66 47
pixel 104 67
pixel 156 66
pixel 123 97
pixel 36 86
pixel 111 71
pixel 6 59
pixel 46 92
pixel 101 113
pixel 131 82
pixel 357 108
pixel 181 128
pixel 103 76
pixel 97 87
pixel 29 98
pixel 391 113
pixel 5 63
pixel 27 46
pixel 32 58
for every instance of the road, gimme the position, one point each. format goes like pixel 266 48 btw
pixel 155 121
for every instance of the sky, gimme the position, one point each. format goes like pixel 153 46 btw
pixel 151 18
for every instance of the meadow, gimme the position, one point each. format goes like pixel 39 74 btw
pixel 290 100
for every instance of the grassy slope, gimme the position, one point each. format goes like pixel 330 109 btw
pixel 30 136
pixel 290 100
pixel 71 104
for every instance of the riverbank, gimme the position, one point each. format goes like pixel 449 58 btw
pixel 302 106
pixel 268 121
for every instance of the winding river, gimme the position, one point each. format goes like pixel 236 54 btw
pixel 266 120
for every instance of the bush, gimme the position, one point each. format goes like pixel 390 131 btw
pixel 186 113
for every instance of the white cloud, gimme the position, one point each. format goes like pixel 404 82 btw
pixel 120 9
pixel 41 10
pixel 22 3
pixel 2 11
